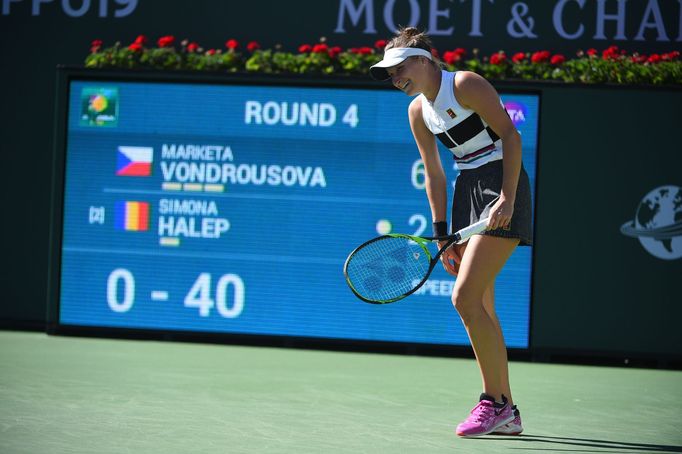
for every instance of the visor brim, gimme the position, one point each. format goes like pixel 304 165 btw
pixel 379 70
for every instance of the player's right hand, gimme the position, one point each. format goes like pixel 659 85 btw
pixel 451 258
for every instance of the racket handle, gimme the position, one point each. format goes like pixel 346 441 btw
pixel 473 229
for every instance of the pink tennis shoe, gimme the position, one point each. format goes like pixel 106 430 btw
pixel 511 428
pixel 486 417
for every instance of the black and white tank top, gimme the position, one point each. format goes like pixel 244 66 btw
pixel 469 138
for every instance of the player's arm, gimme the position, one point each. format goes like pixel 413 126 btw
pixel 435 180
pixel 476 93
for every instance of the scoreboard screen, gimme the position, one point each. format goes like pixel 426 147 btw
pixel 228 207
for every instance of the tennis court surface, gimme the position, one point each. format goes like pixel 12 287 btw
pixel 83 395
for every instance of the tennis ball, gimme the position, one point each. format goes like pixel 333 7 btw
pixel 384 227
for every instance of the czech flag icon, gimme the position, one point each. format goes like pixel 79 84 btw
pixel 134 161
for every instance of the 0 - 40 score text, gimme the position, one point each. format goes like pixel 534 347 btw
pixel 227 297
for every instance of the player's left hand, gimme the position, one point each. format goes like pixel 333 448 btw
pixel 501 213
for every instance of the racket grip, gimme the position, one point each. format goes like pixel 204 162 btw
pixel 473 229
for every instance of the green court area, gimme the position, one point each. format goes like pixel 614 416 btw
pixel 84 395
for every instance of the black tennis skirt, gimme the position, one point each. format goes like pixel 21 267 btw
pixel 477 190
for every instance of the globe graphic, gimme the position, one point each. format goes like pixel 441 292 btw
pixel 658 223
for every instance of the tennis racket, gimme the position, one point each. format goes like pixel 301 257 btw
pixel 390 267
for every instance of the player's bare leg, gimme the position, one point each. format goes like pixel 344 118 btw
pixel 489 306
pixel 482 260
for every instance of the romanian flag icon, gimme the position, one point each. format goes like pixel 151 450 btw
pixel 134 161
pixel 132 216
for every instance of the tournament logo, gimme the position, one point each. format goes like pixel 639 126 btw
pixel 517 111
pixel 132 216
pixel 134 161
pixel 658 223
pixel 99 107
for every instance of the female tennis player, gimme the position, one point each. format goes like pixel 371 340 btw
pixel 464 112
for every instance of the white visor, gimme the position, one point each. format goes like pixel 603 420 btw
pixel 395 56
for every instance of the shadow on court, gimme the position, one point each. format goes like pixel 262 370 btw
pixel 600 445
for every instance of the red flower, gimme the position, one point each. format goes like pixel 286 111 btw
pixel 95 45
pixel 611 53
pixel 210 52
pixel 670 56
pixel 320 48
pixel 305 48
pixel 334 51
pixel 252 46
pixel 361 50
pixel 141 40
pixel 380 44
pixel 591 52
pixel 498 58
pixel 654 58
pixel 557 59
pixel 451 57
pixel 519 57
pixel 165 41
pixel 192 47
pixel 232 44
pixel 639 58
pixel 135 47
pixel 540 57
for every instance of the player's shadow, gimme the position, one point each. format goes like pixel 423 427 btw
pixel 586 443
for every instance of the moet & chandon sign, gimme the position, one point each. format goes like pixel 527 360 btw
pixel 601 20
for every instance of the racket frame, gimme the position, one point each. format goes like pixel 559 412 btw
pixel 458 237
pixel 422 242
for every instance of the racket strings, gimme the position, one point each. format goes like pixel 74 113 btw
pixel 387 268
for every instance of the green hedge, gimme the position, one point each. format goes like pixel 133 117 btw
pixel 611 65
